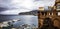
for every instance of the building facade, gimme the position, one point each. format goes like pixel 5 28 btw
pixel 50 17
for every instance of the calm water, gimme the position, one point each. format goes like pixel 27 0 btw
pixel 24 19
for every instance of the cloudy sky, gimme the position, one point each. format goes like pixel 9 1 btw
pixel 18 6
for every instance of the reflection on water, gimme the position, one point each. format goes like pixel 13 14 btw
pixel 19 21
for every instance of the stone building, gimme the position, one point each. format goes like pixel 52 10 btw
pixel 50 16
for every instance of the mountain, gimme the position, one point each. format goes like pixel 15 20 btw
pixel 34 12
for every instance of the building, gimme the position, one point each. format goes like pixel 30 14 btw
pixel 53 14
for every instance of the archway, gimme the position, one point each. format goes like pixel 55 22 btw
pixel 47 23
pixel 56 22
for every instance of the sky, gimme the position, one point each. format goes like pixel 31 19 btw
pixel 18 6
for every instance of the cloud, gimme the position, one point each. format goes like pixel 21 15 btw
pixel 9 12
pixel 16 6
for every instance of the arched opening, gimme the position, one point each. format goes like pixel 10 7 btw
pixel 56 22
pixel 48 24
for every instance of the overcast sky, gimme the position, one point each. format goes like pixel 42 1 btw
pixel 18 6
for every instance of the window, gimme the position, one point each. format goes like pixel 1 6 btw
pixel 58 6
pixel 49 14
pixel 58 13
